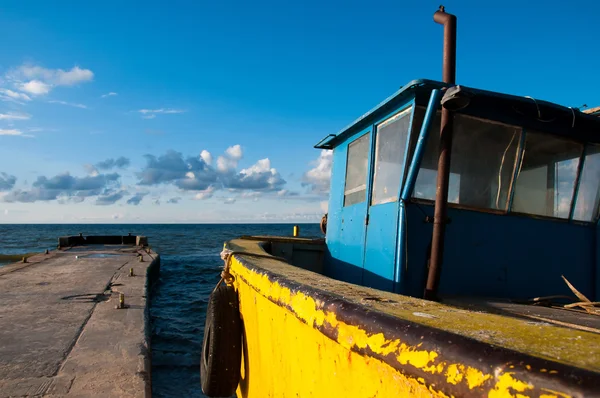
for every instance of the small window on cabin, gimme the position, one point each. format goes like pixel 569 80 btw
pixel 390 151
pixel 482 165
pixel 588 197
pixel 356 171
pixel 546 179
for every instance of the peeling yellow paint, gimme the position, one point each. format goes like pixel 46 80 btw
pixel 453 374
pixel 475 378
pixel 417 358
pixel 506 384
pixel 289 356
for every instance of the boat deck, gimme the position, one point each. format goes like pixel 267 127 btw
pixel 61 333
pixel 542 347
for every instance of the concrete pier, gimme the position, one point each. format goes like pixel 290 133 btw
pixel 61 333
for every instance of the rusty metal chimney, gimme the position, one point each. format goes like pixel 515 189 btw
pixel 443 175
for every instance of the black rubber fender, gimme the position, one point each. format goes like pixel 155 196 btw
pixel 221 359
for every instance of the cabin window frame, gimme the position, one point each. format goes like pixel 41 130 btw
pixel 508 195
pixel 409 107
pixel 573 198
pixel 368 136
pixel 582 163
pixel 511 190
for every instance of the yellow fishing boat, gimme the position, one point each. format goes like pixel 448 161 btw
pixel 459 263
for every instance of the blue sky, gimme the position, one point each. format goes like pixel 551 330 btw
pixel 244 82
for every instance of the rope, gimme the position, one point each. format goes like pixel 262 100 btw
pixel 227 255
pixel 501 166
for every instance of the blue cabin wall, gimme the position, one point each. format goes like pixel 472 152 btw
pixel 506 256
pixel 496 255
pixel 356 252
pixel 345 225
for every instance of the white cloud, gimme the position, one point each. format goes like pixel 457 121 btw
pixel 10 132
pixel 36 87
pixel 254 195
pixel 324 206
pixel 74 76
pixel 37 80
pixel 58 77
pixel 319 176
pixel 111 94
pixel 151 113
pixel 206 156
pixel 68 104
pixel 234 152
pixel 225 164
pixel 205 194
pixel 229 161
pixel 14 95
pixel 260 176
pixel 14 116
pixel 91 170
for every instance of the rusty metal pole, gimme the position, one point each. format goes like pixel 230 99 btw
pixel 443 175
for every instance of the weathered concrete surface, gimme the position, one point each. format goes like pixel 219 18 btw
pixel 60 334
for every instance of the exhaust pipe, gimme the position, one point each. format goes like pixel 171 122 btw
pixel 443 175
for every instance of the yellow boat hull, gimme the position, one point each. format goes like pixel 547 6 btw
pixel 298 342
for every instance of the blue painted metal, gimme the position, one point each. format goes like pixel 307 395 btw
pixel 496 255
pixel 504 255
pixel 345 224
pixel 401 258
pixel 578 182
pixel 520 153
pixel 325 142
pixel 382 229
pixel 380 247
pixel 413 170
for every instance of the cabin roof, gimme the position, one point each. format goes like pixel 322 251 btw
pixel 511 109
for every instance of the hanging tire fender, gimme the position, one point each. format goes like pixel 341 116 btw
pixel 221 357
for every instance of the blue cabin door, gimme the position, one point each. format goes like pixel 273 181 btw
pixel 391 139
pixel 354 210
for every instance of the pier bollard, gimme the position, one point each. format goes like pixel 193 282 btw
pixel 141 258
pixel 121 304
pixel 24 260
pixel 131 272
pixel 296 231
pixel 46 252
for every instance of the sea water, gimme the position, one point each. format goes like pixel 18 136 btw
pixel 190 268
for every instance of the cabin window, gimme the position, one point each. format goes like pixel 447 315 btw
pixel 356 171
pixel 483 161
pixel 588 197
pixel 390 151
pixel 546 179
